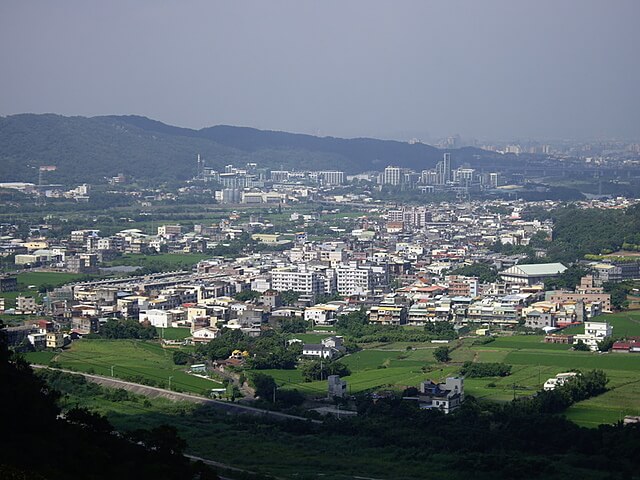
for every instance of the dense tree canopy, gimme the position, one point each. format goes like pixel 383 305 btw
pixel 119 329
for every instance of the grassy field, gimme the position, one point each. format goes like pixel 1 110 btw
pixel 174 333
pixel 309 337
pixel 392 366
pixel 164 261
pixel 35 280
pixel 48 278
pixel 131 360
pixel 624 324
pixel 373 369
pixel 40 358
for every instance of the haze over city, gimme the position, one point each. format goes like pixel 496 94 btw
pixel 487 70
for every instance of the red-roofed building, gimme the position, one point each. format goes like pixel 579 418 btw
pixel 628 346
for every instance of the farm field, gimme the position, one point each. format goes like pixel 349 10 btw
pixel 138 361
pixel 309 337
pixel 174 333
pixel 394 370
pixel 166 261
pixel 392 366
pixel 36 280
pixel 625 323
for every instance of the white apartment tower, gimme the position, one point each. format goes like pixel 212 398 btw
pixel 392 176
pixel 351 279
pixel 301 280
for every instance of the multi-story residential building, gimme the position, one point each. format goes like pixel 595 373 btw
pixel 301 280
pixel 279 176
pixel 353 279
pixel 388 315
pixel 54 340
pixel 392 176
pixel 460 286
pixel 25 304
pixel 489 311
pixel 594 332
pixel 169 231
pixel 86 263
pixel 331 177
pixel 585 292
pixel 8 283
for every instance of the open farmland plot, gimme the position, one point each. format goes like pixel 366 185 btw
pixel 521 342
pixel 372 369
pixel 525 380
pixel 132 360
pixel 174 333
pixel 310 337
pixel 623 371
pixel 624 324
pixel 37 280
pixel 48 278
pixel 165 261
pixel 612 406
pixel 576 360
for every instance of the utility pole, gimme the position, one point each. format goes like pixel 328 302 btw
pixel 112 370
pixel 274 393
pixel 170 382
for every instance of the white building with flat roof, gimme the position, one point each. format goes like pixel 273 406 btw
pixel 594 332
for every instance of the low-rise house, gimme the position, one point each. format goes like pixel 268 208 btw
pixel 205 334
pixel 446 397
pixel 559 380
pixel 330 347
pixel 627 346
pixel 561 339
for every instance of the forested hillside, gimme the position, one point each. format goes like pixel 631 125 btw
pixel 89 149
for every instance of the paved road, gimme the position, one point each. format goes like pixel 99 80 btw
pixel 228 407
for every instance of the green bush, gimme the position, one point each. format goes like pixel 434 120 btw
pixel 479 370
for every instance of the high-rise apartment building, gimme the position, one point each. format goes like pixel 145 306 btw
pixel 392 176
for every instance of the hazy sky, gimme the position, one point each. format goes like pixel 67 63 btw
pixel 499 69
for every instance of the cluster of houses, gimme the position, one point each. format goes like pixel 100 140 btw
pixel 398 264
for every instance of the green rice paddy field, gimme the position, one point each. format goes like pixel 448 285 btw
pixel 35 280
pixel 138 361
pixel 624 324
pixel 394 367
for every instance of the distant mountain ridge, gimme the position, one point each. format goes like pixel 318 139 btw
pixel 87 149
